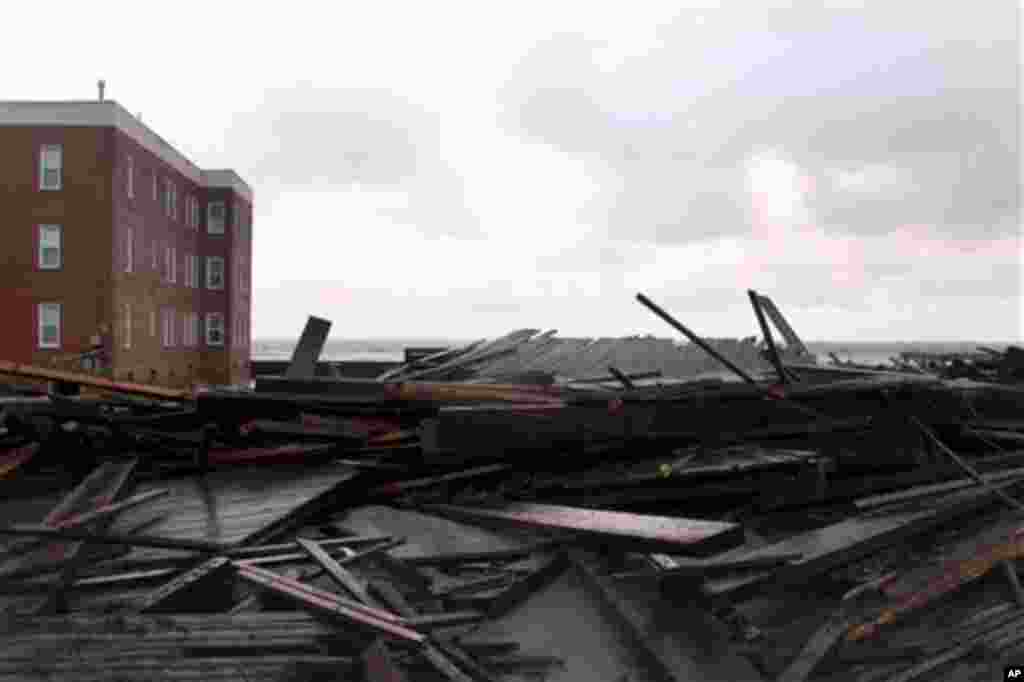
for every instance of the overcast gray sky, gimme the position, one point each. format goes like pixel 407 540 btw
pixel 464 169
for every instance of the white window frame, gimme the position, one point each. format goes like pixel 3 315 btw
pixel 216 226
pixel 126 329
pixel 210 326
pixel 129 250
pixel 41 310
pixel 167 328
pixel 41 247
pixel 192 330
pixel 45 165
pixel 130 166
pixel 170 261
pixel 210 260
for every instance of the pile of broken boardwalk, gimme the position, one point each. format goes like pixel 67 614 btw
pixel 436 524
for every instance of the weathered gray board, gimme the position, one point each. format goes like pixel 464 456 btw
pixel 257 646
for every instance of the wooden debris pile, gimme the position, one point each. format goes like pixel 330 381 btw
pixel 786 522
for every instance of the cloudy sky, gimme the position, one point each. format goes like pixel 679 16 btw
pixel 464 169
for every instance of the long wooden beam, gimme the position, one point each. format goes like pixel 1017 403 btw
pixel 34 372
pixel 640 531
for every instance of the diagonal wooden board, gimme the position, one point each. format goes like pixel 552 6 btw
pixel 642 532
pixel 97 490
pixel 832 546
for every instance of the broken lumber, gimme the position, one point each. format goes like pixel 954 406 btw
pixel 33 372
pixel 640 532
pixel 328 604
pixel 955 576
pixel 307 350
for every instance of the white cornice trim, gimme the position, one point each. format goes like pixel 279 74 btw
pixel 110 113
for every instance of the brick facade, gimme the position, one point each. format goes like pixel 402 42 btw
pixel 99 281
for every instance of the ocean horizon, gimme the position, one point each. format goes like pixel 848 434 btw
pixel 393 349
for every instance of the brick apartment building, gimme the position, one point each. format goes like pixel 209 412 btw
pixel 113 241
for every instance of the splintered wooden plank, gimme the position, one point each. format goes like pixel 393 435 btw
pixel 97 514
pixel 97 490
pixel 635 531
pixel 308 349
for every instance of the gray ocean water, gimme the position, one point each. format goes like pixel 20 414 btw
pixel 391 350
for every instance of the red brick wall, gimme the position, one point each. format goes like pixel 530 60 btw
pixel 146 290
pixel 83 208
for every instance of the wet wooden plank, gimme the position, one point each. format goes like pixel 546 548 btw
pixel 625 530
pixel 234 506
pixel 840 543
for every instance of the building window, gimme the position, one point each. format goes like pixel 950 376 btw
pixel 49 325
pixel 236 214
pixel 156 187
pixel 129 249
pixel 195 213
pixel 51 165
pixel 215 217
pixel 168 198
pixel 156 256
pixel 51 256
pixel 191 329
pixel 214 329
pixel 167 338
pixel 126 320
pixel 152 323
pixel 214 272
pixel 130 168
pixel 193 280
pixel 171 273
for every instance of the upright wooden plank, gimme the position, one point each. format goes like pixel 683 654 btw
pixel 308 349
